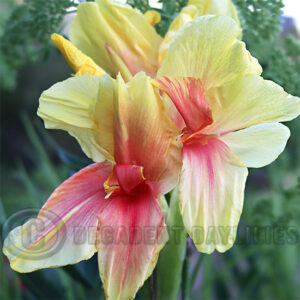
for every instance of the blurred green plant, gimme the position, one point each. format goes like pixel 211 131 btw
pixel 68 282
pixel 142 5
pixel 25 34
pixel 282 65
pixel 261 24
pixel 259 18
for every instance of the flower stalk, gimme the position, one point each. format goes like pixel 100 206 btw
pixel 171 259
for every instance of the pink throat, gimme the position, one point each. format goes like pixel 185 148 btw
pixel 128 179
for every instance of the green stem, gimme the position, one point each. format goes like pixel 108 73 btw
pixel 207 279
pixel 186 282
pixel 152 290
pixel 196 268
pixel 170 262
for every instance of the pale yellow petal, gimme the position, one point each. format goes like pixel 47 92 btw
pixel 119 63
pixel 249 100
pixel 186 15
pixel 211 194
pixel 216 7
pixel 259 145
pixel 196 8
pixel 208 48
pixel 83 106
pixel 153 17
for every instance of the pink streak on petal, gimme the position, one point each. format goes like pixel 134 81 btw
pixel 188 95
pixel 78 200
pixel 207 157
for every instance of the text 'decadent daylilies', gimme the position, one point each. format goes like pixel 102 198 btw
pixel 114 204
pixel 117 38
pixel 229 119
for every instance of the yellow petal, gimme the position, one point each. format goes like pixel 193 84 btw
pixel 196 8
pixel 216 7
pixel 124 29
pixel 153 17
pixel 259 145
pixel 78 61
pixel 249 100
pixel 118 62
pixel 83 106
pixel 141 129
pixel 211 194
pixel 186 15
pixel 208 48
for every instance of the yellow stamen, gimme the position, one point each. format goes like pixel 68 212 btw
pixel 79 62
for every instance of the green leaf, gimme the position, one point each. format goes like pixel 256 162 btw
pixel 186 279
pixel 41 286
pixel 75 274
pixel 41 152
pixel 73 161
pixel 28 183
pixel 26 35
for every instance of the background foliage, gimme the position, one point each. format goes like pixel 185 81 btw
pixel 263 264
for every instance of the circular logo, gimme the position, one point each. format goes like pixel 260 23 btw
pixel 38 238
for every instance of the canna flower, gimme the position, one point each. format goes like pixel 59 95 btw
pixel 117 38
pixel 113 204
pixel 229 117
